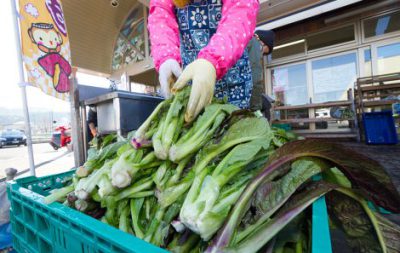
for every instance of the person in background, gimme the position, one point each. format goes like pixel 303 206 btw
pixel 261 44
pixel 92 122
pixel 207 38
pixel 149 90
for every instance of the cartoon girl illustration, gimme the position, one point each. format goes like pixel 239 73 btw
pixel 49 41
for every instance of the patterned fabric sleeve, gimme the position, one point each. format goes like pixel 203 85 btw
pixel 164 32
pixel 234 31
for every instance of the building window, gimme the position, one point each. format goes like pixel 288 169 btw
pixel 330 38
pixel 367 62
pixel 290 84
pixel 382 25
pixel 388 60
pixel 289 49
pixel 333 76
pixel 130 44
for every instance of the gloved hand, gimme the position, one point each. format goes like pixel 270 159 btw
pixel 167 71
pixel 203 76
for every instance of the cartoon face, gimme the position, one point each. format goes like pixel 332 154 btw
pixel 46 37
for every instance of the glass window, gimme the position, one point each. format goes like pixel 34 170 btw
pixel 332 37
pixel 290 84
pixel 388 59
pixel 129 46
pixel 333 76
pixel 367 62
pixel 288 49
pixel 382 25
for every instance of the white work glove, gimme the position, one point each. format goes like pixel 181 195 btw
pixel 168 72
pixel 203 75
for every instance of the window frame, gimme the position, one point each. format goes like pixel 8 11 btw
pixel 294 56
pixel 374 52
pixel 337 48
pixel 378 37
pixel 343 44
pixel 330 56
pixel 359 44
pixel 289 65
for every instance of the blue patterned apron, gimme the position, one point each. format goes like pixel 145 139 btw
pixel 198 21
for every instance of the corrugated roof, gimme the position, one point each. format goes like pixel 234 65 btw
pixel 93 26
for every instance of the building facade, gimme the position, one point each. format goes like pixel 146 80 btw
pixel 318 58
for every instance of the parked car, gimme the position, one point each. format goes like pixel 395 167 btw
pixel 12 137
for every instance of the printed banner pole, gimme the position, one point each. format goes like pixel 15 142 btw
pixel 22 85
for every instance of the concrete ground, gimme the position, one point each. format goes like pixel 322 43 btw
pixel 47 160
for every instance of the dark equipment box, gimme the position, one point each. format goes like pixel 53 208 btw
pixel 122 111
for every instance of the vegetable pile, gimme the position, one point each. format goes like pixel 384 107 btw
pixel 229 182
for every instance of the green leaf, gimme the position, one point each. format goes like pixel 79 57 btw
pixel 296 204
pixel 364 173
pixel 360 223
pixel 201 131
pixel 272 195
pixel 141 135
pixel 243 131
pixel 136 205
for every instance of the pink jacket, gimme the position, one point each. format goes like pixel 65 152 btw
pixel 225 47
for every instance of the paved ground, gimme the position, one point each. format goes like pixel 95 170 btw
pixel 46 159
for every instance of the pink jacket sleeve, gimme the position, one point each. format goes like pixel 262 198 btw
pixel 225 47
pixel 234 31
pixel 164 32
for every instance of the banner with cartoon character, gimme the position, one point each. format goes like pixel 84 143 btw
pixel 45 46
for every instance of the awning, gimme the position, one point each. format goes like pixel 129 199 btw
pixel 93 26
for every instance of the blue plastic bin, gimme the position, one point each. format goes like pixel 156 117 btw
pixel 379 128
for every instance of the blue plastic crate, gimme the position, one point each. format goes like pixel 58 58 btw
pixel 55 228
pixel 379 128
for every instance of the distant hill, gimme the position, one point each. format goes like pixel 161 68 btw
pixel 41 119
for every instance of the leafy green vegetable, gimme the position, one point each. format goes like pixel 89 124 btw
pixel 273 195
pixel 107 152
pixel 144 133
pixel 360 213
pixel 246 130
pixel 362 171
pixel 136 206
pixel 269 229
pixel 204 194
pixel 58 194
pixel 170 126
pixel 201 132
pixel 87 185
pixel 180 183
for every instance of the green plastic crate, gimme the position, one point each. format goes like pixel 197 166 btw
pixel 37 227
